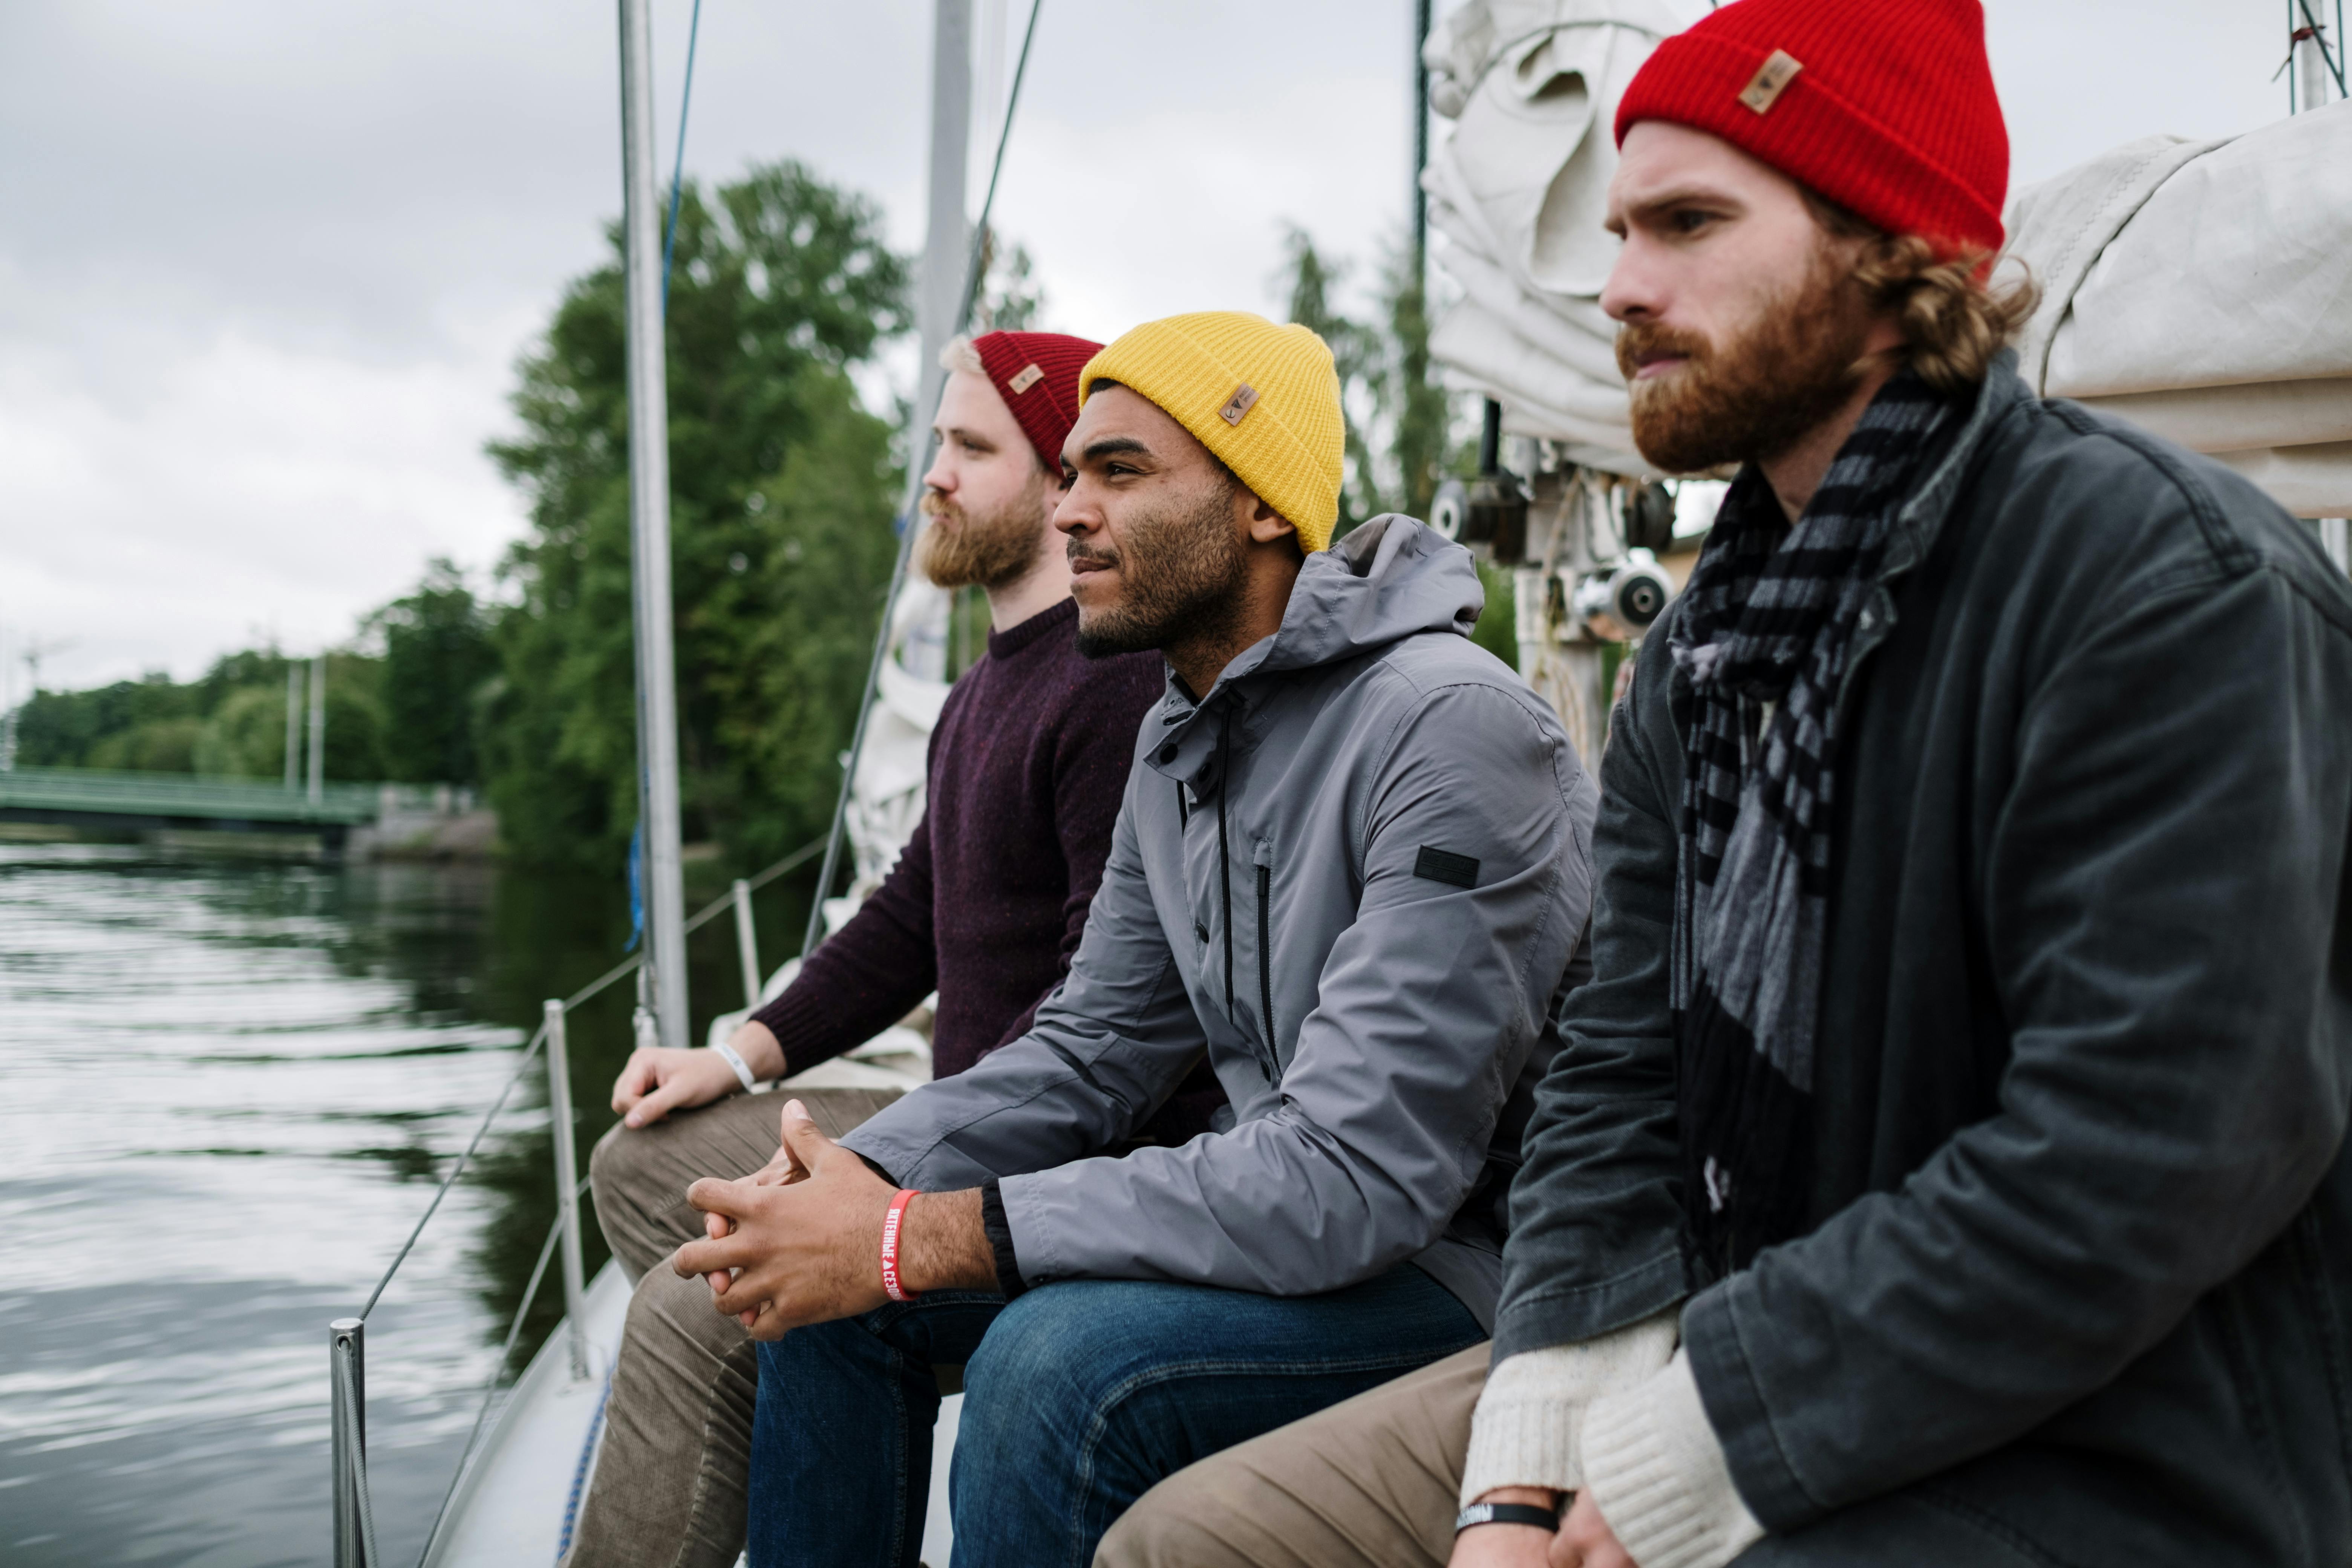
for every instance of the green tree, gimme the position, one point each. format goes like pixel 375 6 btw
pixel 1356 355
pixel 246 735
pixel 437 658
pixel 157 746
pixel 781 494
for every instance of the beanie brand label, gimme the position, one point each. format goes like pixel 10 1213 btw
pixel 1027 377
pixel 1774 75
pixel 1244 399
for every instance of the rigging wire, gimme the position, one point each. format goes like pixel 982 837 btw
pixel 677 169
pixel 918 455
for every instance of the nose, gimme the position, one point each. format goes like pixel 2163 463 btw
pixel 1632 292
pixel 941 475
pixel 1075 513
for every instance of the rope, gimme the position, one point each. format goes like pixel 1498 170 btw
pixel 580 1472
pixel 919 458
pixel 348 1407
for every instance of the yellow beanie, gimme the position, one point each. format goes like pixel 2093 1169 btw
pixel 1264 399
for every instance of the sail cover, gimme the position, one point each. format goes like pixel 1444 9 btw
pixel 2203 289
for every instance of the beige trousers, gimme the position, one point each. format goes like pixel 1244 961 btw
pixel 1370 1483
pixel 669 1491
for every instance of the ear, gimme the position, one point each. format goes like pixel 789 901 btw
pixel 1266 525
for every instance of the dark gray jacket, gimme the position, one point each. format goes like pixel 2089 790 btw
pixel 1352 874
pixel 2078 1287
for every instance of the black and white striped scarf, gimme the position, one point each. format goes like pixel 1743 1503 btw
pixel 1767 625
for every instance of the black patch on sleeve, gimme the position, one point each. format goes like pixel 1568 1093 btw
pixel 1445 866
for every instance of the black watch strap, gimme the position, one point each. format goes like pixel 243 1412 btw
pixel 1507 1513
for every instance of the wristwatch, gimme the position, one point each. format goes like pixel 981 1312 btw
pixel 1479 1513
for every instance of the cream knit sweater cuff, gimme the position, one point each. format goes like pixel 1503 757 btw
pixel 1656 1470
pixel 1525 1431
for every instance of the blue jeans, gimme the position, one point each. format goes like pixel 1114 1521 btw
pixel 1078 1397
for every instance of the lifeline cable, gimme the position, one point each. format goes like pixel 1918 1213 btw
pixel 707 914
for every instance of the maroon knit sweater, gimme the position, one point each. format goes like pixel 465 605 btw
pixel 988 901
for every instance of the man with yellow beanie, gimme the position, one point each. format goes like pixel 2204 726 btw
pixel 1349 871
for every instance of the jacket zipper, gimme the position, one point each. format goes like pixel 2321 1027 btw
pixel 1266 957
pixel 1224 855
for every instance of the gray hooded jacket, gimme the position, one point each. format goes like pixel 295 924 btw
pixel 1352 875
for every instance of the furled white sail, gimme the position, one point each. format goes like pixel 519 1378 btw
pixel 1517 192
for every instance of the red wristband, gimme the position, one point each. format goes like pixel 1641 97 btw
pixel 892 1286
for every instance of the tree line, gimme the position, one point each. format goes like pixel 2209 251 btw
pixel 783 294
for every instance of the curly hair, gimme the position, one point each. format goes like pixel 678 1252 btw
pixel 1954 318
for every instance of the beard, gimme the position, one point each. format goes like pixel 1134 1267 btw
pixel 1182 570
pixel 1755 397
pixel 990 551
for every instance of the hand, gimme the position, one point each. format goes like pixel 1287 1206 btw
pixel 658 1079
pixel 1585 1539
pixel 1506 1545
pixel 802 1235
pixel 783 1171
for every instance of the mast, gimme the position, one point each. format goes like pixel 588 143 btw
pixel 656 667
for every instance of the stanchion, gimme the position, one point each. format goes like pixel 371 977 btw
pixel 746 947
pixel 567 1182
pixel 347 1380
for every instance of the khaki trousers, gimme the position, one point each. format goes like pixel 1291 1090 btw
pixel 669 1484
pixel 1372 1482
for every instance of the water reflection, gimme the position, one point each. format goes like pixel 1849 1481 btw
pixel 230 1089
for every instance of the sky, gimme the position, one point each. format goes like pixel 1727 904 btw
pixel 266 265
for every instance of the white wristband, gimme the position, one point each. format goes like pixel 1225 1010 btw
pixel 743 1068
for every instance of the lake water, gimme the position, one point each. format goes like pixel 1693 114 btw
pixel 229 1091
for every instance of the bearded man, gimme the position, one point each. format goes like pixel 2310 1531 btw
pixel 985 906
pixel 1946 1165
pixel 1349 872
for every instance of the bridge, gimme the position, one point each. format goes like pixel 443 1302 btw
pixel 92 797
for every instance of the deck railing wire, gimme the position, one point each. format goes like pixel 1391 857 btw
pixel 354 1515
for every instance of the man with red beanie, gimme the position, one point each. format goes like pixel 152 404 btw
pixel 1945 1164
pixel 985 905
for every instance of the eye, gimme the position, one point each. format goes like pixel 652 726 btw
pixel 1689 220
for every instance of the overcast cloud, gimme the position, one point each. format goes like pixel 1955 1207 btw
pixel 266 265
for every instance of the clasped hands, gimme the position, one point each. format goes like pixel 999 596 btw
pixel 799 1241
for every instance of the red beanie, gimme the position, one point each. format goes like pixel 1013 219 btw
pixel 1885 108
pixel 1036 373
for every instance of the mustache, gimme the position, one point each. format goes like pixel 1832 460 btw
pixel 1637 340
pixel 1079 555
pixel 936 503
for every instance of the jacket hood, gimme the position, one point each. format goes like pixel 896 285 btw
pixel 1388 579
